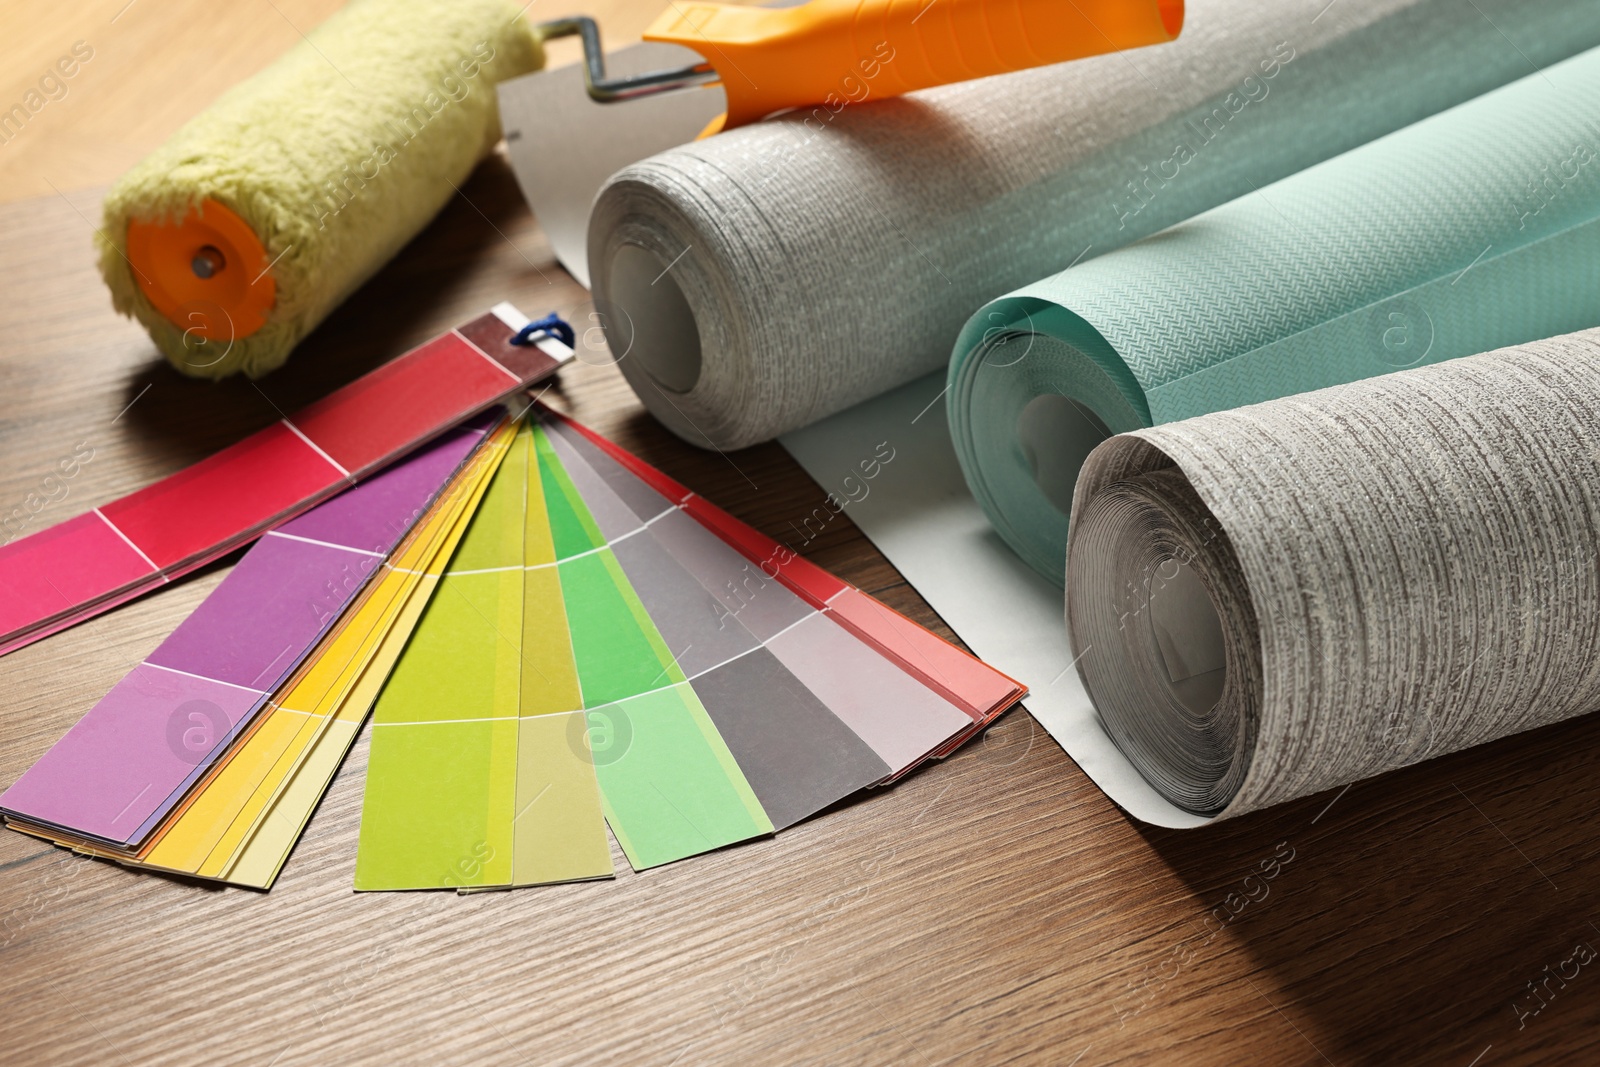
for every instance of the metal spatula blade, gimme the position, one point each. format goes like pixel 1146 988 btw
pixel 564 145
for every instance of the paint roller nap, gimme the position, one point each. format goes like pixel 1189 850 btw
pixel 334 157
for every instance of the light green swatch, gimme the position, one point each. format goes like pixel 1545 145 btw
pixel 670 786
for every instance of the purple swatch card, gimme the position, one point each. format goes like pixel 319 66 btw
pixel 122 768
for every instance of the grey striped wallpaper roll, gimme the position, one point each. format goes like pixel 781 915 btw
pixel 1286 597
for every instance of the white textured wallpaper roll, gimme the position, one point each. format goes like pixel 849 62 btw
pixel 1295 595
pixel 769 276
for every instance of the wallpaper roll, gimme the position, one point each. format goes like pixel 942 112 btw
pixel 1301 593
pixel 1473 229
pixel 759 280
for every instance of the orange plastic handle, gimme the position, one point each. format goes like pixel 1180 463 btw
pixel 833 53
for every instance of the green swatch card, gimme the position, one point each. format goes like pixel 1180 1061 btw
pixel 442 777
pixel 558 830
pixel 671 788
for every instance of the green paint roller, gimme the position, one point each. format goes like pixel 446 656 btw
pixel 234 239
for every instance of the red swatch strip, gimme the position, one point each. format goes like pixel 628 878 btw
pixel 966 681
pixel 79 568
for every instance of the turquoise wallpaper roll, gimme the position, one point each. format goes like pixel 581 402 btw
pixel 1474 229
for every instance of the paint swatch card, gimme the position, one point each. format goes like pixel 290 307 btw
pixel 460 770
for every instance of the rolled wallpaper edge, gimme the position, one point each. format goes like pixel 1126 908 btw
pixel 1417 572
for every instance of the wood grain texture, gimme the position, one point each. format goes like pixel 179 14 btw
pixel 994 908
pixel 156 63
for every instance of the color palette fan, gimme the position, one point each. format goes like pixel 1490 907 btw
pixel 608 648
pixel 556 638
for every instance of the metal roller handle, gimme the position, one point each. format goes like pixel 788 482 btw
pixel 610 90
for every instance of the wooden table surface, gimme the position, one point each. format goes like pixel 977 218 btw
pixel 994 908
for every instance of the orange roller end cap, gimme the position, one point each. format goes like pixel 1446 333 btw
pixel 207 272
